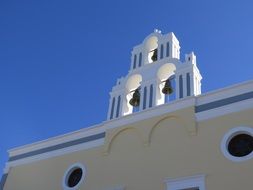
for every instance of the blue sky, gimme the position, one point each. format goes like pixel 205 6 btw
pixel 59 59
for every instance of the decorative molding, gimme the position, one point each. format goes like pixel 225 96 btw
pixel 224 110
pixel 226 92
pixel 59 146
pixel 197 181
pixel 151 112
pixel 85 132
pixel 55 153
pixel 110 138
pixel 152 129
pixel 223 102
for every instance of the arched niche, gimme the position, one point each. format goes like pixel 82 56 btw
pixel 124 134
pixel 168 122
pixel 166 71
pixel 132 84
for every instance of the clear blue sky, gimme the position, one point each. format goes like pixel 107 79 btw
pixel 59 59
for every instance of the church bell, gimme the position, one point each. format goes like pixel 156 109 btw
pixel 167 89
pixel 154 56
pixel 135 101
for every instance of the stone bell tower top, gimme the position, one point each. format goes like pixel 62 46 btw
pixel 156 76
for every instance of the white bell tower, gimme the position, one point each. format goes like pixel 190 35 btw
pixel 156 76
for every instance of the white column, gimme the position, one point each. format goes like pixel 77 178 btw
pixel 196 85
pixel 120 93
pixel 132 61
pixel 141 98
pixel 121 105
pixel 192 83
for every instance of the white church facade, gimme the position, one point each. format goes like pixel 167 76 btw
pixel 161 133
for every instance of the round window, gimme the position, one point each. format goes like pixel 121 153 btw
pixel 73 177
pixel 240 145
pixel 237 144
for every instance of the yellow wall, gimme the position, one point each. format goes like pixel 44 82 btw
pixel 141 156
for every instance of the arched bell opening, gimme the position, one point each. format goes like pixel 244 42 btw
pixel 152 49
pixel 132 98
pixel 166 91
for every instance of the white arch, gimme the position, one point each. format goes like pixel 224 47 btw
pixel 165 71
pixel 152 35
pixel 133 82
pixel 151 43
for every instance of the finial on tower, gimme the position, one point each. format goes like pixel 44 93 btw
pixel 157 31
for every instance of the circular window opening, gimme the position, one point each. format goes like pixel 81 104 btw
pixel 73 177
pixel 237 144
pixel 241 145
